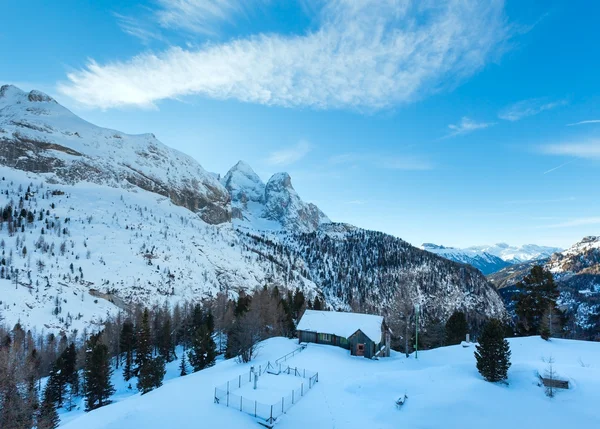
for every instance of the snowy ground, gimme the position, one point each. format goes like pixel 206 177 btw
pixel 270 388
pixel 443 386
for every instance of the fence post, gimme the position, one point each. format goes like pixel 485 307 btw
pixel 228 393
pixel 239 381
pixel 302 389
pixel 293 396
pixel 271 414
pixel 241 405
pixel 216 394
pixel 282 399
pixel 254 409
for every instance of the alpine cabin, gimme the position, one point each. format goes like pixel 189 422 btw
pixel 363 334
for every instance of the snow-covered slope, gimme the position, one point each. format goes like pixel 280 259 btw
pixel 85 245
pixel 483 261
pixel 39 135
pixel 443 387
pixel 273 206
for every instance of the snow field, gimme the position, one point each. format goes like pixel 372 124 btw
pixel 271 388
pixel 443 386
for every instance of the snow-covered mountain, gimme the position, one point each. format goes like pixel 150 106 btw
pixel 577 272
pixel 93 220
pixel 490 259
pixel 272 206
pixel 41 136
pixel 516 254
pixel 483 261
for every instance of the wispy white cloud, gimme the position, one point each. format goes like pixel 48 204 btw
pixel 582 221
pixel 591 121
pixel 201 16
pixel 290 155
pixel 467 125
pixel 138 28
pixel 587 150
pixel 531 107
pixel 369 55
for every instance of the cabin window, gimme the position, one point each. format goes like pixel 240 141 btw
pixel 343 341
pixel 325 337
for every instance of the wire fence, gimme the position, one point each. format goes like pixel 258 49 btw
pixel 225 394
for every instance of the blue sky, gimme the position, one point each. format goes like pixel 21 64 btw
pixel 453 122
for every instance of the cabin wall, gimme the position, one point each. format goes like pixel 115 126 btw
pixel 359 338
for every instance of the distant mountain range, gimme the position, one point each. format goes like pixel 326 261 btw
pixel 490 259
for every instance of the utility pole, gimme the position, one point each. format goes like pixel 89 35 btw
pixel 417 331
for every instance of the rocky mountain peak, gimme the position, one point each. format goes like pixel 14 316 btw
pixel 244 184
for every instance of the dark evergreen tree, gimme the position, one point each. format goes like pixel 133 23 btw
pixel 493 352
pixel 317 305
pixel 97 373
pixel 55 388
pixel 144 342
pixel 183 365
pixel 456 328
pixel 48 417
pixel 538 293
pixel 166 348
pixel 151 374
pixel 203 351
pixel 127 346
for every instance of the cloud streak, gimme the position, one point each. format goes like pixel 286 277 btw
pixel 290 155
pixel 585 150
pixel 467 125
pixel 591 121
pixel 526 108
pixel 364 55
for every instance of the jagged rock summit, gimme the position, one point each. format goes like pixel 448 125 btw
pixel 272 206
pixel 39 135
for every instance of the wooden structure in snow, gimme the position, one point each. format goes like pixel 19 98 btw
pixel 363 334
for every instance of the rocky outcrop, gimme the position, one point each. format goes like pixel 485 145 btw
pixel 277 202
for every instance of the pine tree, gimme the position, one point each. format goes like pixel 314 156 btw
pixel 127 346
pixel 55 387
pixel 97 373
pixel 48 417
pixel 456 328
pixel 183 365
pixel 151 374
pixel 144 343
pixel 493 352
pixel 203 351
pixel 538 293
pixel 165 337
pixel 69 372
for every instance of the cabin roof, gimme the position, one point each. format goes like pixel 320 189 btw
pixel 341 324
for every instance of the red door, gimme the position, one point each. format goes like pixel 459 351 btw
pixel 360 350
